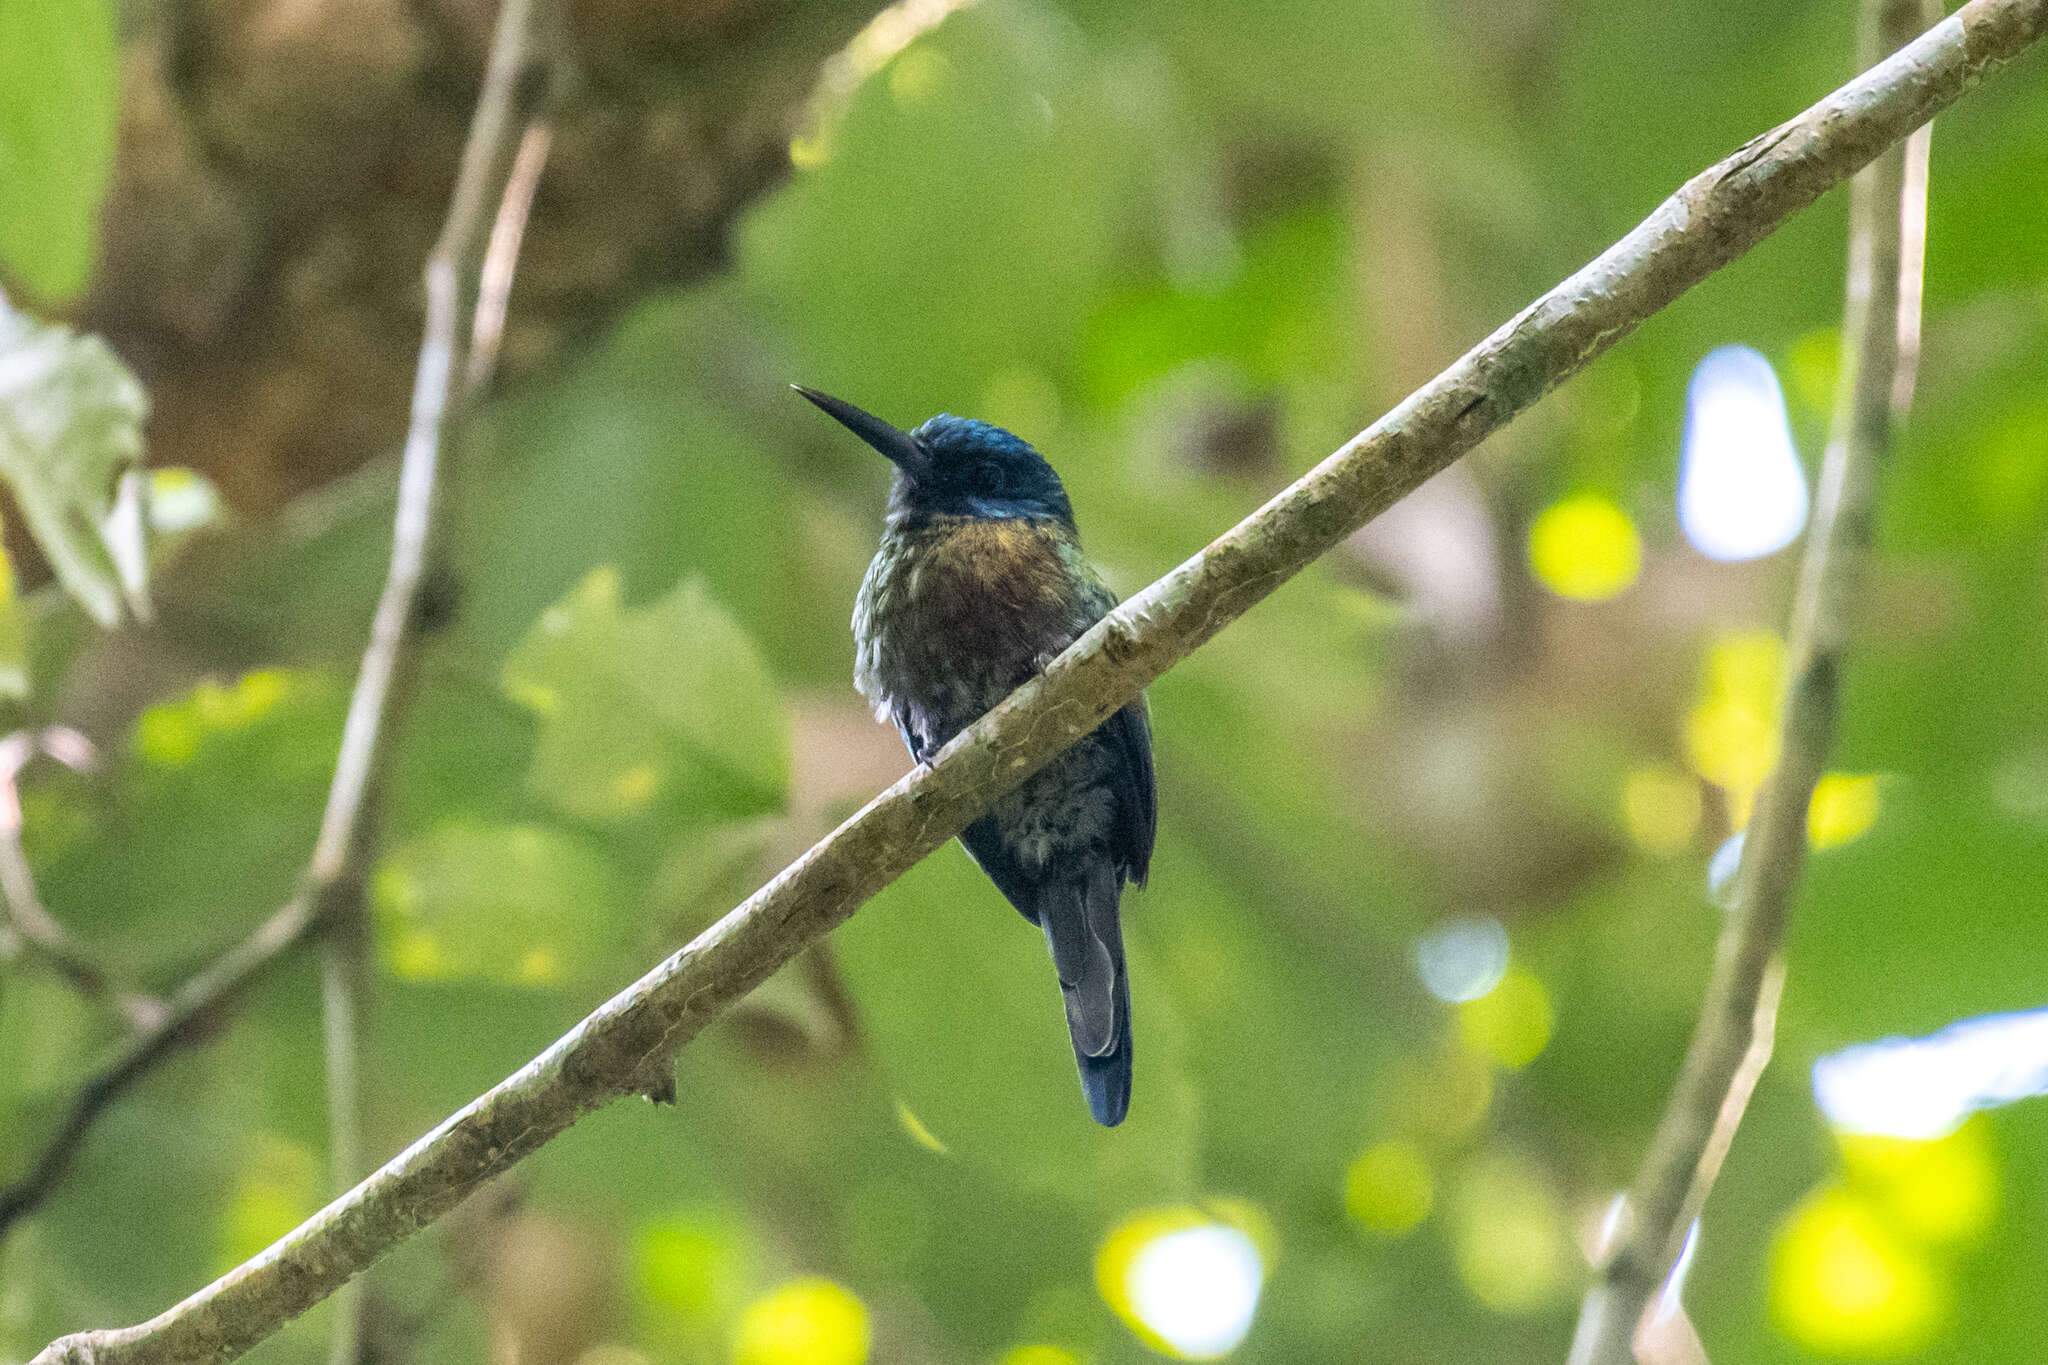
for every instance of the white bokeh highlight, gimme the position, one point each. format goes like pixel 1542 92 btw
pixel 1197 1288
pixel 1925 1087
pixel 1741 491
pixel 1462 960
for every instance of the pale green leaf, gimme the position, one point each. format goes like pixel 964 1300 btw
pixel 518 904
pixel 70 426
pixel 59 83
pixel 669 703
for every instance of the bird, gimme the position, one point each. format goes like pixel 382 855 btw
pixel 978 584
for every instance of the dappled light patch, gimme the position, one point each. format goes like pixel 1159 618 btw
pixel 810 1321
pixel 170 733
pixel 1844 807
pixel 1511 1024
pixel 1732 734
pixel 1741 491
pixel 1585 548
pixel 1185 1280
pixel 1844 1284
pixel 1389 1188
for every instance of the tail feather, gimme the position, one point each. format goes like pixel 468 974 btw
pixel 1082 926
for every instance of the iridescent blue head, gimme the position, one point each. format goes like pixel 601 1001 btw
pixel 956 466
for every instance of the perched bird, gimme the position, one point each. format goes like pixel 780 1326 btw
pixel 978 585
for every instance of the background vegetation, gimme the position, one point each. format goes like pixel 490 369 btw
pixel 1490 749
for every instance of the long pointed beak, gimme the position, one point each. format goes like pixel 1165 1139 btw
pixel 897 444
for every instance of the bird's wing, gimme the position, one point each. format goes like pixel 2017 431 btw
pixel 1129 733
pixel 984 842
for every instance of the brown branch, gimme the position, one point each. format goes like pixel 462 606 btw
pixel 629 1043
pixel 345 942
pixel 518 86
pixel 1732 1042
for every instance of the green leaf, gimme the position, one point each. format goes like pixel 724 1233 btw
pixel 70 426
pixel 518 904
pixel 58 101
pixel 670 701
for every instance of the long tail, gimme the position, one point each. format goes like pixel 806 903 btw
pixel 1083 927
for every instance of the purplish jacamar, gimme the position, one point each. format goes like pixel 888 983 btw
pixel 978 585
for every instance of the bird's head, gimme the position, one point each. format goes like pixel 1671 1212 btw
pixel 956 466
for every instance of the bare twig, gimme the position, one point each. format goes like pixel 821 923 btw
pixel 628 1044
pixel 518 85
pixel 1731 1044
pixel 344 945
pixel 28 922
pixel 341 1001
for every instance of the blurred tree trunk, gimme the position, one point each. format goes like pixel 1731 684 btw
pixel 284 164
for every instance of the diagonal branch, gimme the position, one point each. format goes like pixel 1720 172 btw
pixel 623 1046
pixel 518 86
pixel 1732 1043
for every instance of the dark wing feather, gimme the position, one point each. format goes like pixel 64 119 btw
pixel 985 843
pixel 1129 735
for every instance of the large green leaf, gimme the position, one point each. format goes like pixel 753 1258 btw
pixel 519 904
pixel 70 425
pixel 669 703
pixel 58 87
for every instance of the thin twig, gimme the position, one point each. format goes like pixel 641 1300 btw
pixel 518 84
pixel 1879 340
pixel 495 286
pixel 341 1000
pixel 628 1045
pixel 344 947
pixel 31 928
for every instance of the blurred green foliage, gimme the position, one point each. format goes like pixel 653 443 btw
pixel 58 79
pixel 1187 251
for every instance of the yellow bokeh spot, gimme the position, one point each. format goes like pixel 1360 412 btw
pixel 243 702
pixel 808 151
pixel 635 786
pixel 918 74
pixel 921 1135
pixel 805 1322
pixel 416 955
pixel 1039 1355
pixel 167 735
pixel 170 733
pixel 538 967
pixel 1510 1023
pixel 1732 735
pixel 691 1268
pixel 1844 808
pixel 1842 1284
pixel 1585 548
pixel 538 698
pixel 1660 808
pixel 1939 1191
pixel 1389 1188
pixel 1813 366
pixel 1508 1236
